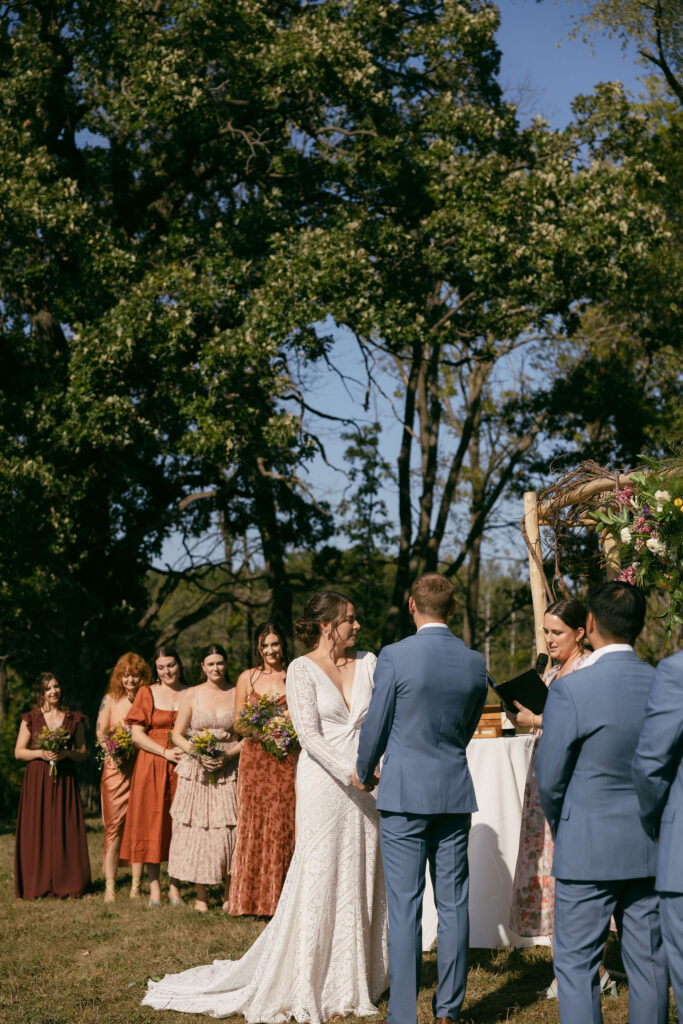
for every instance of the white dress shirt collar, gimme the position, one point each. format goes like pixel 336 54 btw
pixel 608 649
pixel 431 625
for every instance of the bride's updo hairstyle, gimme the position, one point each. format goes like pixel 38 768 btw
pixel 324 606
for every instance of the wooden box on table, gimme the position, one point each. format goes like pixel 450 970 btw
pixel 489 724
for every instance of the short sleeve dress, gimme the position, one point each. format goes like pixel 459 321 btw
pixel 51 852
pixel 147 832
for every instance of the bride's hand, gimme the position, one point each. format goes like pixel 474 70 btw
pixel 355 781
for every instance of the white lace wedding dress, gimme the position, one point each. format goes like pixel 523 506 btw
pixel 325 950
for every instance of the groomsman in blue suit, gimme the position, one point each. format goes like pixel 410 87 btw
pixel 658 778
pixel 604 862
pixel 427 700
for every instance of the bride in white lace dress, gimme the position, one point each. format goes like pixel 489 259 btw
pixel 324 953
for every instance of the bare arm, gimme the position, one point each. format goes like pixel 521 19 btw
pixel 183 719
pixel 242 690
pixel 22 748
pixel 103 719
pixel 143 742
pixel 79 750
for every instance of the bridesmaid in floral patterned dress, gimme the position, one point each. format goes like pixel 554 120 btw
pixel 266 796
pixel 533 892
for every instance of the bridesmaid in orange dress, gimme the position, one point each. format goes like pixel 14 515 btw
pixel 265 791
pixel 130 673
pixel 147 833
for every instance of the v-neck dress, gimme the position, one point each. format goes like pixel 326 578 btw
pixel 325 950
pixel 51 852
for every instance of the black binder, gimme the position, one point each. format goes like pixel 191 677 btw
pixel 527 688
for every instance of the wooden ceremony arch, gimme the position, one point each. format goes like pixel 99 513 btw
pixel 568 502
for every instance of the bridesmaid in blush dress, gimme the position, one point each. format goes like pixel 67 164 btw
pixel 204 810
pixel 147 832
pixel 130 672
pixel 51 853
pixel 265 791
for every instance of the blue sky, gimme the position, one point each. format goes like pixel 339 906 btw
pixel 529 35
pixel 550 70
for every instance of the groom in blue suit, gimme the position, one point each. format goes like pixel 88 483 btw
pixel 428 697
pixel 604 863
pixel 658 778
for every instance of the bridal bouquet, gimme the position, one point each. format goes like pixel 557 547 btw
pixel 279 737
pixel 205 744
pixel 53 740
pixel 117 744
pixel 266 721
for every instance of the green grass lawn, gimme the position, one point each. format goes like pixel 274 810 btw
pixel 77 962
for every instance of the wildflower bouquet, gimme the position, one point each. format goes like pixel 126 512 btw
pixel 646 520
pixel 266 721
pixel 53 740
pixel 205 744
pixel 279 737
pixel 117 743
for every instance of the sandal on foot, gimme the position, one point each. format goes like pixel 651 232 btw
pixel 550 992
pixel 109 894
pixel 135 889
pixel 151 904
pixel 201 907
pixel 176 901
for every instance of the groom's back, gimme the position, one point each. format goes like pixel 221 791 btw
pixel 440 690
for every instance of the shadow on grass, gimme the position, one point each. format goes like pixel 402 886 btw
pixel 520 980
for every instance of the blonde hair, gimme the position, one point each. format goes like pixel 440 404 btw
pixel 129 664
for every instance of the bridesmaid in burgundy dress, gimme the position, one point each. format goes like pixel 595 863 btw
pixel 265 792
pixel 51 853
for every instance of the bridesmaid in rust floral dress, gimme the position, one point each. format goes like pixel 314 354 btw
pixel 265 791
pixel 130 673
pixel 51 853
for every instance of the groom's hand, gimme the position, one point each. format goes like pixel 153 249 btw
pixel 355 781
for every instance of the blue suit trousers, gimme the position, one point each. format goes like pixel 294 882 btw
pixel 671 915
pixel 409 841
pixel 582 917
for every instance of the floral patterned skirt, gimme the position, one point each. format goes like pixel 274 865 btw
pixel 533 892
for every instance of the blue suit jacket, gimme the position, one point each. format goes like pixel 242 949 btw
pixel 427 700
pixel 591 724
pixel 658 771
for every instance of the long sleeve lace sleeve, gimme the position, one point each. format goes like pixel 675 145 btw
pixel 303 706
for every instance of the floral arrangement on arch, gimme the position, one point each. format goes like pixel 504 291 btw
pixel 646 520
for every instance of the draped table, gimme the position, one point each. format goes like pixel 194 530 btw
pixel 499 769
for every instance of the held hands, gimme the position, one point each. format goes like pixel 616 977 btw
pixel 355 781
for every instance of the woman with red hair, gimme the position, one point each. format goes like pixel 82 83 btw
pixel 130 673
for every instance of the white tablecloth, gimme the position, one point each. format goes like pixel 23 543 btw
pixel 499 769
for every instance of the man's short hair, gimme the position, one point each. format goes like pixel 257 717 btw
pixel 619 611
pixel 433 595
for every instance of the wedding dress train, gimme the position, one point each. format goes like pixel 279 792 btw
pixel 325 950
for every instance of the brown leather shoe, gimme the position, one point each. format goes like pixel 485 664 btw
pixel 444 1020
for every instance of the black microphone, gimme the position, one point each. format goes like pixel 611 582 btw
pixel 541 663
